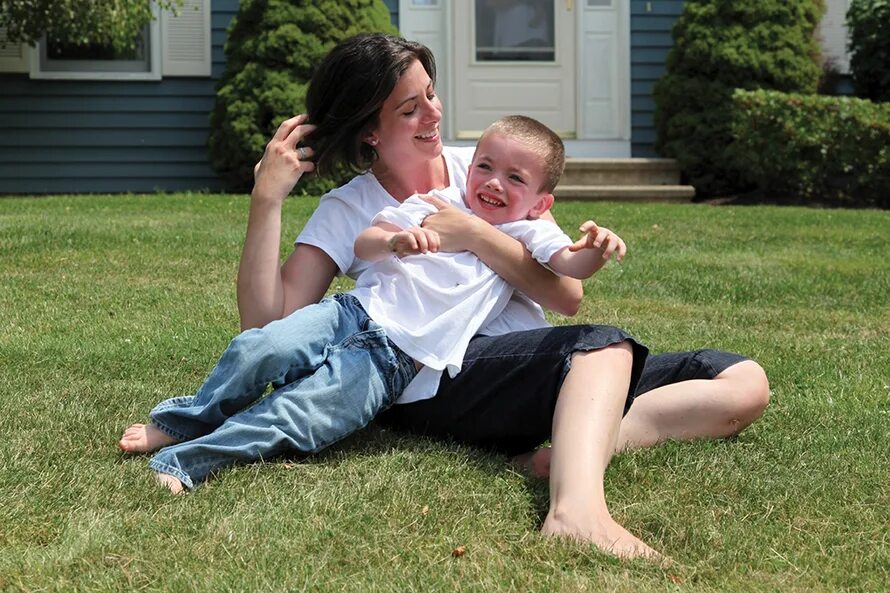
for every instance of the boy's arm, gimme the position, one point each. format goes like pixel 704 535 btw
pixel 589 253
pixel 385 239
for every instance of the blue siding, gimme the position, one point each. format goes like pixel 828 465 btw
pixel 89 136
pixel 650 41
pixel 72 136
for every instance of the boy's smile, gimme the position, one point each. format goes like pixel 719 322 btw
pixel 505 180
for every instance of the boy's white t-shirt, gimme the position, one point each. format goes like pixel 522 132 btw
pixel 346 211
pixel 432 304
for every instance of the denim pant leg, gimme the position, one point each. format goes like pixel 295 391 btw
pixel 285 349
pixel 358 378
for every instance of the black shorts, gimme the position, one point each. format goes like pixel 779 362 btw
pixel 505 395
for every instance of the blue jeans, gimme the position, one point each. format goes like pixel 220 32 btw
pixel 332 368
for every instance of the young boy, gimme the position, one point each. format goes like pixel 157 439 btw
pixel 336 364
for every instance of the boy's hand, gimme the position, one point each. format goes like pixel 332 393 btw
pixel 596 237
pixel 414 241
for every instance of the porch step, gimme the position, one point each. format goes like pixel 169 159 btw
pixel 623 179
pixel 639 193
pixel 590 171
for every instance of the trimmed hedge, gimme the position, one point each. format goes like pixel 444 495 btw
pixel 272 49
pixel 869 24
pixel 824 148
pixel 720 46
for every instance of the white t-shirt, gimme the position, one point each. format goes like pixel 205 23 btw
pixel 431 305
pixel 346 211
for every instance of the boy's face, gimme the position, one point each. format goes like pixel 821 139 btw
pixel 504 181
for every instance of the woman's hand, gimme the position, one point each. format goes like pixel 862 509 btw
pixel 454 227
pixel 505 255
pixel 283 163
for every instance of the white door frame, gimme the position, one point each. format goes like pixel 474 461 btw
pixel 432 23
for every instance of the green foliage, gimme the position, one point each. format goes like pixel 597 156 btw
pixel 720 46
pixel 79 22
pixel 271 52
pixel 869 24
pixel 817 147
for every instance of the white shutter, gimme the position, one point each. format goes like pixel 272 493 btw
pixel 14 57
pixel 832 33
pixel 186 40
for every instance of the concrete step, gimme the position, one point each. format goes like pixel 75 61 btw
pixel 625 193
pixel 634 171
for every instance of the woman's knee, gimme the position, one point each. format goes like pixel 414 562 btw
pixel 750 390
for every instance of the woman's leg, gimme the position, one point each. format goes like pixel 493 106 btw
pixel 358 378
pixel 722 395
pixel 279 352
pixel 585 429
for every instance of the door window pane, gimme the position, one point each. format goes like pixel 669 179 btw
pixel 511 30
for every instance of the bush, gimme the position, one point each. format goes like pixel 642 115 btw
pixel 720 46
pixel 271 52
pixel 869 24
pixel 834 148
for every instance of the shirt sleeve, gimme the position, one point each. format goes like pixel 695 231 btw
pixel 409 213
pixel 333 228
pixel 541 237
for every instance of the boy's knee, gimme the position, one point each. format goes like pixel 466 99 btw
pixel 750 391
pixel 620 353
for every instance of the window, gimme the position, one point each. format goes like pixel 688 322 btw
pixel 98 61
pixel 514 30
pixel 170 45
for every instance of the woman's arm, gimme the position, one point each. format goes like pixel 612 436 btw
pixel 506 256
pixel 263 295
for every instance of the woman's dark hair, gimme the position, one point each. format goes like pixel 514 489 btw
pixel 347 91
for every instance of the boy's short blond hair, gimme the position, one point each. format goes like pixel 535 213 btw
pixel 540 139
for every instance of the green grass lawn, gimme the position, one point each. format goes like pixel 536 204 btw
pixel 109 304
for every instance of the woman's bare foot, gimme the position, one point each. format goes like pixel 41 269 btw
pixel 604 533
pixel 535 463
pixel 169 482
pixel 144 438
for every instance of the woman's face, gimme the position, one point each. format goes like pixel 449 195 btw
pixel 408 128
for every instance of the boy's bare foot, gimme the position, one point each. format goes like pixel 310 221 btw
pixel 604 533
pixel 535 463
pixel 169 482
pixel 144 438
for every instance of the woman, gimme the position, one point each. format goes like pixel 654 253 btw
pixel 372 105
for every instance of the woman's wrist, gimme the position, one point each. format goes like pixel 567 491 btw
pixel 477 234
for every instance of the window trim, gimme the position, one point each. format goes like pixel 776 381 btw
pixel 154 56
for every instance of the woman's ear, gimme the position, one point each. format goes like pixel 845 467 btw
pixel 545 201
pixel 371 139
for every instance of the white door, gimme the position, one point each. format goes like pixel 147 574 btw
pixel 514 56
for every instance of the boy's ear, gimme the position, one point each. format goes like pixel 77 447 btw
pixel 543 205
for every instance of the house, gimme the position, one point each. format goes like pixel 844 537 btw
pixel 140 124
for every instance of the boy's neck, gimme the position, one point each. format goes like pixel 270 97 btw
pixel 406 181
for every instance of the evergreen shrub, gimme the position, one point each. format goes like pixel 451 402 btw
pixel 822 148
pixel 868 22
pixel 720 45
pixel 272 49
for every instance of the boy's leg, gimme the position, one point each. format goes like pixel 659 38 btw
pixel 705 394
pixel 585 428
pixel 278 352
pixel 724 394
pixel 358 378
